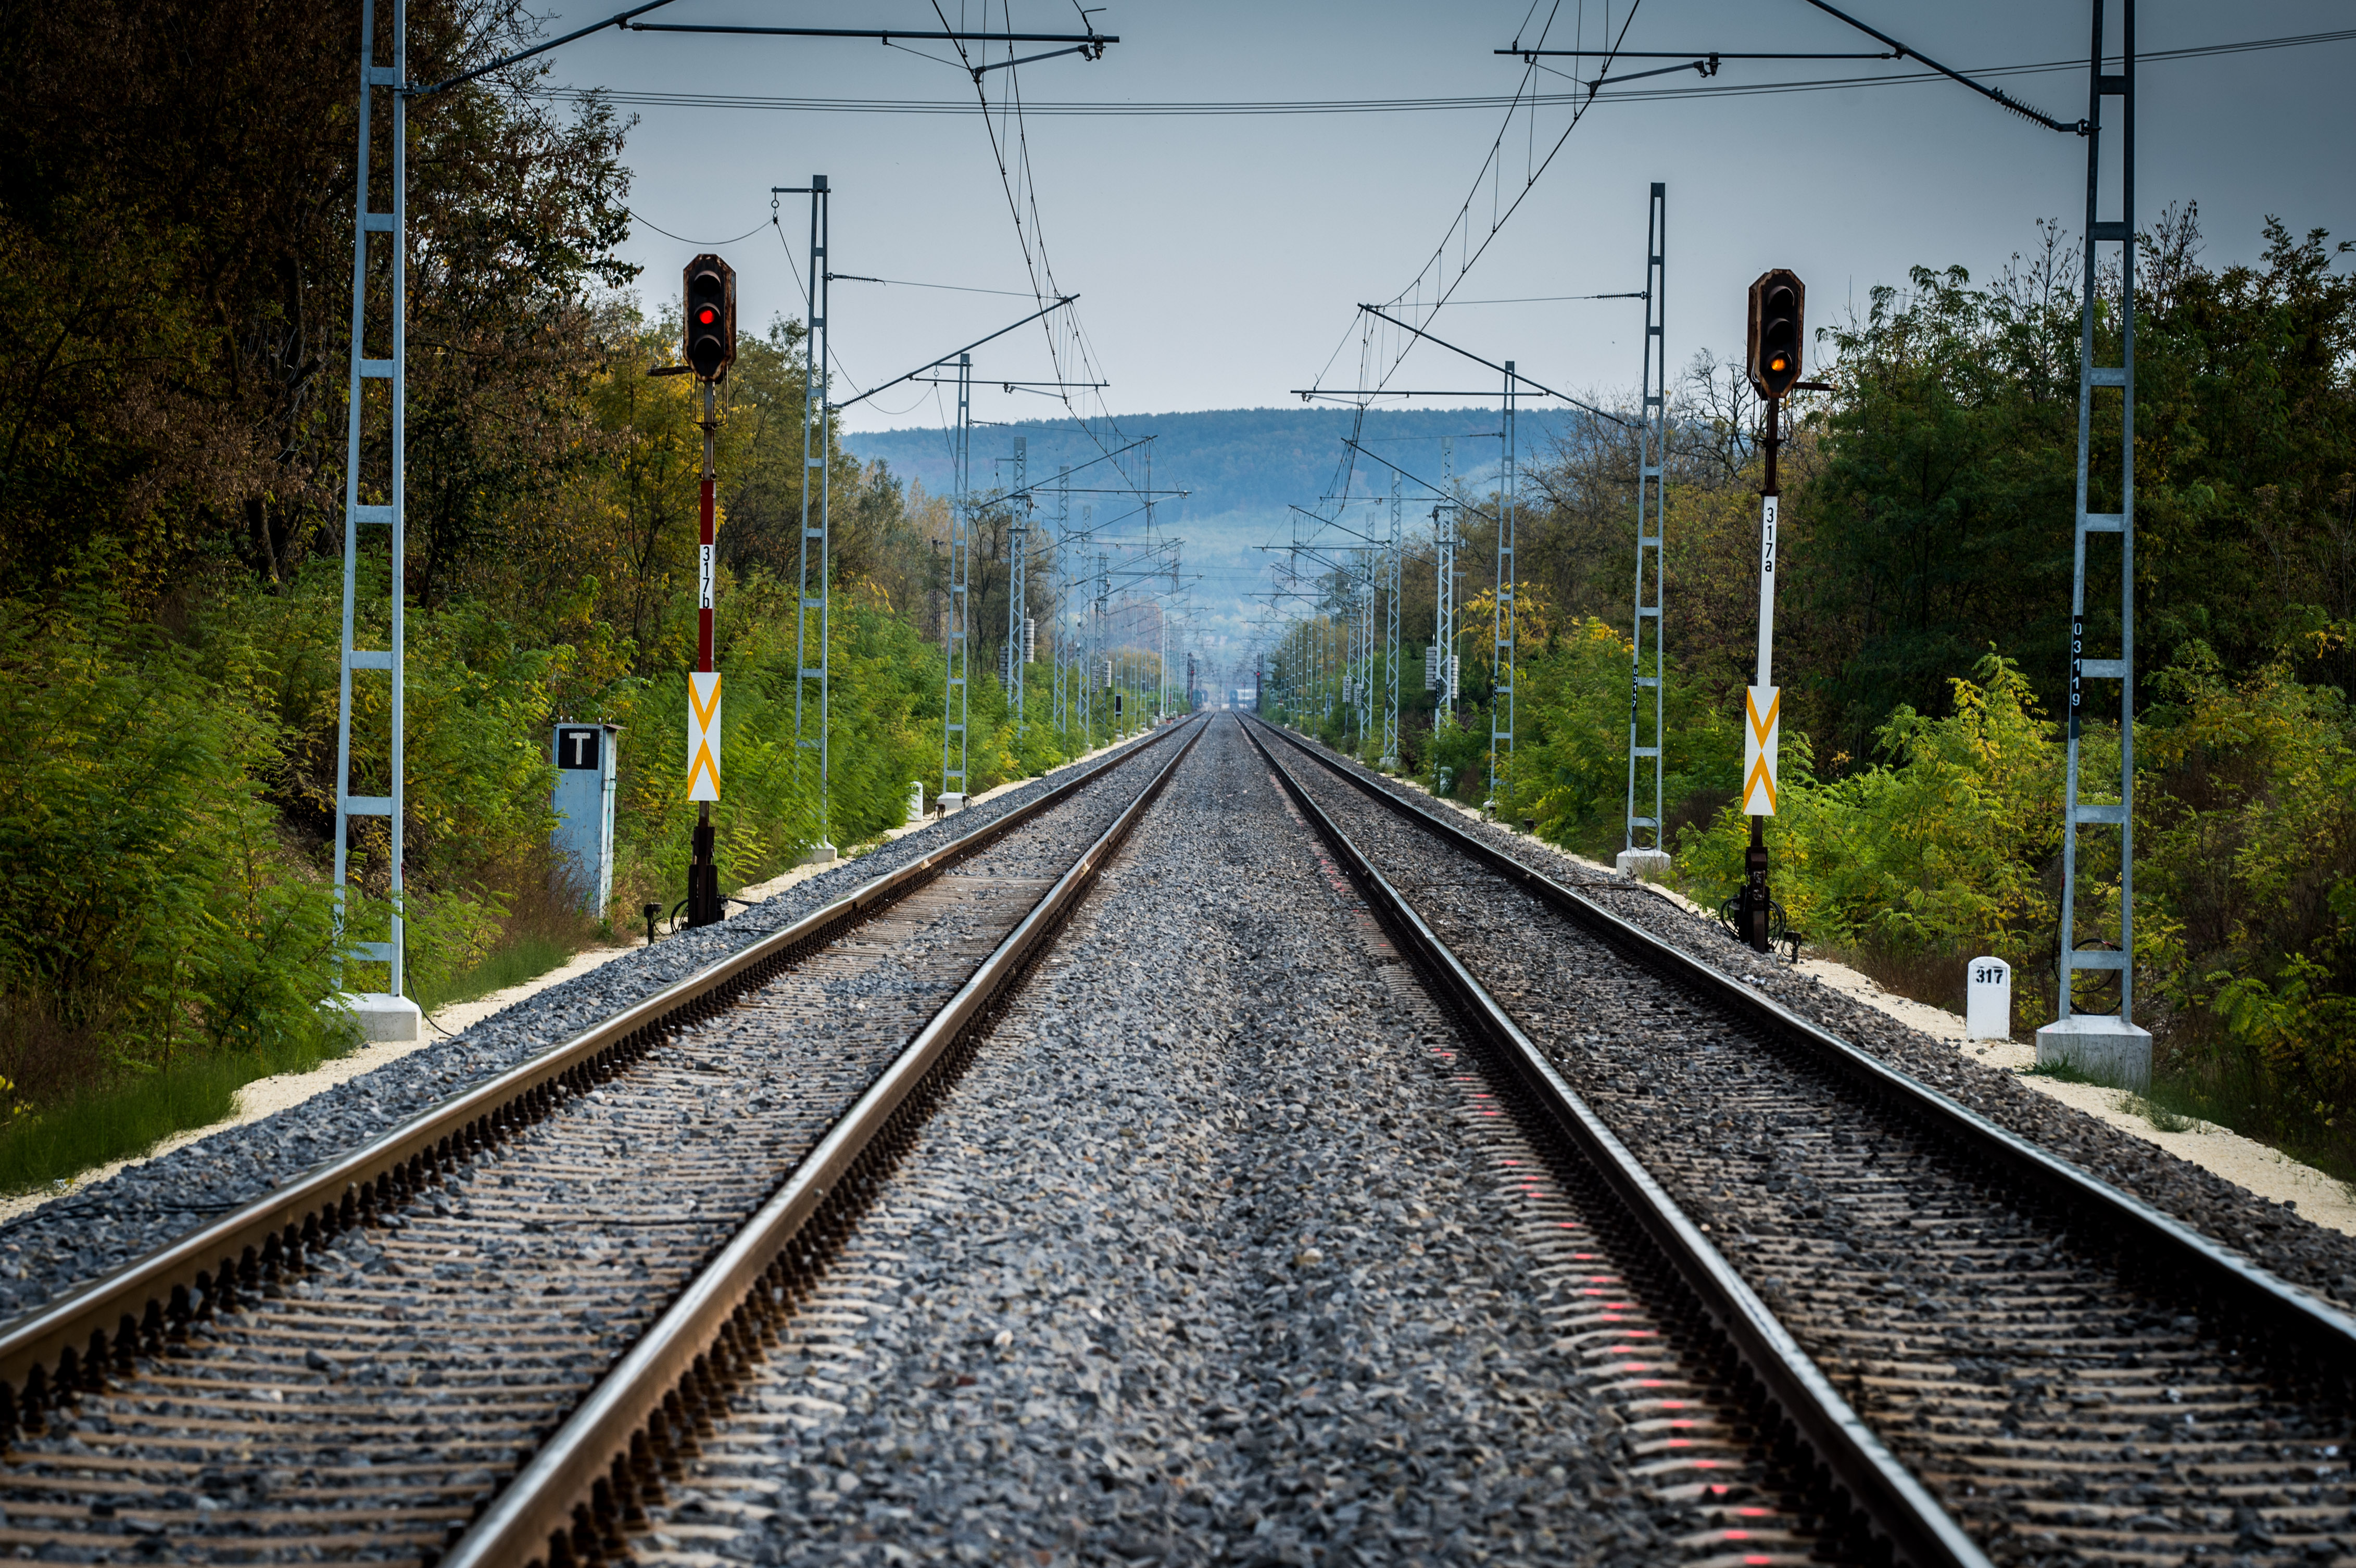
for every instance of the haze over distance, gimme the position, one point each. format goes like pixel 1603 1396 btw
pixel 1220 257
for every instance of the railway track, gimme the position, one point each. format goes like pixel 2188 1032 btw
pixel 2073 1376
pixel 851 1429
pixel 486 1337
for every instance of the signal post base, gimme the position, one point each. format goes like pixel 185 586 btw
pixel 1757 914
pixel 2104 1046
pixel 382 1019
pixel 703 905
pixel 1644 865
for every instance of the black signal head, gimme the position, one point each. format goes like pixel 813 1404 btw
pixel 1778 304
pixel 709 317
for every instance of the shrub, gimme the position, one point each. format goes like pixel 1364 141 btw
pixel 1941 851
pixel 149 904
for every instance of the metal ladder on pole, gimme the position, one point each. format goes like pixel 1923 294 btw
pixel 1390 757
pixel 1097 631
pixel 1652 454
pixel 1063 579
pixel 954 629
pixel 1501 697
pixel 2110 1046
pixel 388 513
pixel 815 473
pixel 1444 521
pixel 1365 620
pixel 1018 592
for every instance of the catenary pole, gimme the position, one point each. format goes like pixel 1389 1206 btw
pixel 812 682
pixel 1501 698
pixel 387 1016
pixel 1390 750
pixel 1063 579
pixel 953 628
pixel 1646 853
pixel 2111 1046
pixel 1444 520
pixel 1018 596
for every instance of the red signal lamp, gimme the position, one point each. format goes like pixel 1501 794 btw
pixel 709 312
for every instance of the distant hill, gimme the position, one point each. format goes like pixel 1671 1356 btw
pixel 1243 469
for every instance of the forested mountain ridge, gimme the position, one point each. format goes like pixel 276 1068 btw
pixel 1243 469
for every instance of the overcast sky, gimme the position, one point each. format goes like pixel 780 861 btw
pixel 1220 259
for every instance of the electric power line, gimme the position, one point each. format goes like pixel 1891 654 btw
pixel 1457 103
pixel 713 244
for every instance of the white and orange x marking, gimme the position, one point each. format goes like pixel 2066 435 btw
pixel 703 735
pixel 1763 712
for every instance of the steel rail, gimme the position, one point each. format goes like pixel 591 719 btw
pixel 536 1516
pixel 72 1341
pixel 1887 1497
pixel 2270 1313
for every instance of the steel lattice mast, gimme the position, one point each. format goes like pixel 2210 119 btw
pixel 1652 564
pixel 1063 579
pixel 1443 628
pixel 815 475
pixel 2111 1046
pixel 1098 629
pixel 1390 750
pixel 1501 695
pixel 954 629
pixel 388 514
pixel 1018 537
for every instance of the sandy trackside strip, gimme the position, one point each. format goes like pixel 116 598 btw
pixel 2268 1172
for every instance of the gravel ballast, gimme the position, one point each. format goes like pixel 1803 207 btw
pixel 2271 1234
pixel 84 1234
pixel 2057 1410
pixel 1198 1262
pixel 405 1371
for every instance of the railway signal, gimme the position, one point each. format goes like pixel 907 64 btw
pixel 710 333
pixel 1776 302
pixel 710 317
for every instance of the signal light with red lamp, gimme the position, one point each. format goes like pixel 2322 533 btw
pixel 710 317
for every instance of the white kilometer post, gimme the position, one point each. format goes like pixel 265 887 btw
pixel 1987 999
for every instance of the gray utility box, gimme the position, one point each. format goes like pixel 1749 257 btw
pixel 585 757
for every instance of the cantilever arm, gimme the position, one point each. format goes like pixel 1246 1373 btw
pixel 1375 310
pixel 465 76
pixel 952 354
pixel 2077 128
